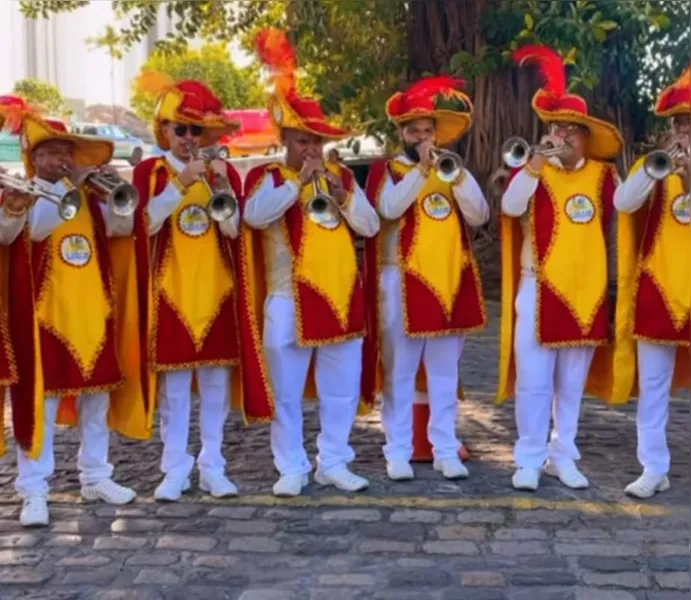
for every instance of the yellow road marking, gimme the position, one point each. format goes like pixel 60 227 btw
pixel 421 502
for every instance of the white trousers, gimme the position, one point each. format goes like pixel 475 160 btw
pixel 401 356
pixel 338 369
pixel 655 371
pixel 175 403
pixel 547 381
pixel 92 459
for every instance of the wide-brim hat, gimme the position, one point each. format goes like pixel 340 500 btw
pixel 552 104
pixel 88 151
pixel 435 98
pixel 675 99
pixel 287 108
pixel 189 102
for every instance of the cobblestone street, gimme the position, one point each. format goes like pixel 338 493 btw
pixel 425 539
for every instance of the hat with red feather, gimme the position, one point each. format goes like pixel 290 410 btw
pixel 438 98
pixel 675 99
pixel 21 119
pixel 188 102
pixel 288 109
pixel 553 104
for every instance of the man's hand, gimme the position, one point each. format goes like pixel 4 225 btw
pixel 193 171
pixel 15 202
pixel 219 168
pixel 80 174
pixel 110 171
pixel 424 149
pixel 338 192
pixel 309 168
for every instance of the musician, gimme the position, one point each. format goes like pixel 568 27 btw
pixel 428 289
pixel 301 266
pixel 556 216
pixel 654 285
pixel 76 318
pixel 195 332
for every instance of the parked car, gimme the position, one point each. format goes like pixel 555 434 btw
pixel 256 136
pixel 127 147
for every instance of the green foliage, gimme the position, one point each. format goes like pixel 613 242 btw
pixel 236 87
pixel 42 95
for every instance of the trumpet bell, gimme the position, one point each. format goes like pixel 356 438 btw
pixel 319 204
pixel 69 205
pixel 658 165
pixel 448 165
pixel 124 199
pixel 515 152
pixel 222 206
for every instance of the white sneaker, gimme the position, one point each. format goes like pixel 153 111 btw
pixel 567 472
pixel 34 511
pixel 526 479
pixel 218 485
pixel 647 485
pixel 172 488
pixel 342 478
pixel 451 468
pixel 109 492
pixel 290 485
pixel 399 470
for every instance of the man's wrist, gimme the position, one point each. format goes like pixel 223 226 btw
pixel 179 185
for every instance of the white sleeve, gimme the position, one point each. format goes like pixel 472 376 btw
pixel 162 206
pixel 361 215
pixel 231 226
pixel 395 199
pixel 518 193
pixel 632 193
pixel 471 201
pixel 268 203
pixel 44 217
pixel 10 227
pixel 116 225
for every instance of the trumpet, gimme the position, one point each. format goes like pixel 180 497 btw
pixel 122 197
pixel 448 165
pixel 68 204
pixel 659 164
pixel 516 151
pixel 322 202
pixel 223 203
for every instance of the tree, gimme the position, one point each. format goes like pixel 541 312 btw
pixel 236 87
pixel 42 95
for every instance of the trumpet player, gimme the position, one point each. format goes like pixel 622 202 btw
pixel 654 282
pixel 195 334
pixel 76 314
pixel 554 329
pixel 299 260
pixel 428 288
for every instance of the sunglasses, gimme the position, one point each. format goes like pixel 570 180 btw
pixel 195 130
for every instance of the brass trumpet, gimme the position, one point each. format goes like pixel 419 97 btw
pixel 660 164
pixel 516 151
pixel 322 202
pixel 448 165
pixel 121 196
pixel 68 204
pixel 223 203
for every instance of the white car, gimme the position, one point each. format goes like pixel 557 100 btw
pixel 127 147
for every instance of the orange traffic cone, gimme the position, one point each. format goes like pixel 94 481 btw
pixel 422 448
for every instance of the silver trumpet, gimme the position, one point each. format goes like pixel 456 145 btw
pixel 223 203
pixel 322 202
pixel 660 164
pixel 448 165
pixel 68 204
pixel 516 151
pixel 123 197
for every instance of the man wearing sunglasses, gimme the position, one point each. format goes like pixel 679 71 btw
pixel 195 335
pixel 299 261
pixel 654 284
pixel 555 327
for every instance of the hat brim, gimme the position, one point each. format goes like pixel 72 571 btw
pixel 88 152
pixel 680 109
pixel 605 141
pixel 210 136
pixel 451 125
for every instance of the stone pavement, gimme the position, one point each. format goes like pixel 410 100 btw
pixel 426 539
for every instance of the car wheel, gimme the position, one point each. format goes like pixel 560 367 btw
pixel 223 153
pixel 136 158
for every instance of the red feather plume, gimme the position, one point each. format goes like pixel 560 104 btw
pixel 431 86
pixel 551 66
pixel 277 53
pixel 13 111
